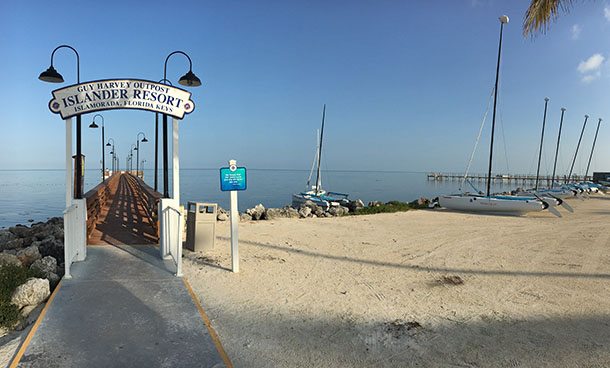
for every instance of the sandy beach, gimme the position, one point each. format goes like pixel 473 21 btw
pixel 419 288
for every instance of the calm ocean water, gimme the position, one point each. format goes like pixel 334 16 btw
pixel 39 194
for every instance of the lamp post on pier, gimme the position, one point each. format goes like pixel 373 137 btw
pixel 156 169
pixel 94 126
pixel 190 80
pixel 52 76
pixel 133 148
pixel 144 140
pixel 113 154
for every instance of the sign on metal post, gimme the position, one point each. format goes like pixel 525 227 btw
pixel 233 179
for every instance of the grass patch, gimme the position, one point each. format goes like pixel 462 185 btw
pixel 10 277
pixel 389 207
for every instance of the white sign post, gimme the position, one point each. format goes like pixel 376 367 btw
pixel 234 224
pixel 233 179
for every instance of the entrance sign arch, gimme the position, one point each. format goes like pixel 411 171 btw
pixel 112 94
pixel 117 94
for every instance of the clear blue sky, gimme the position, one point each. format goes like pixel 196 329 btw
pixel 406 83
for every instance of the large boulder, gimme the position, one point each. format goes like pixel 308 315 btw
pixel 338 210
pixel 7 259
pixel 14 243
pixel 45 266
pixel 33 292
pixel 5 236
pixel 305 212
pixel 222 214
pixel 355 205
pixel 273 213
pixel 290 212
pixel 51 246
pixel 20 231
pixel 245 217
pixel 28 255
pixel 257 212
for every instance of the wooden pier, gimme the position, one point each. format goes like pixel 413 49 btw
pixel 508 178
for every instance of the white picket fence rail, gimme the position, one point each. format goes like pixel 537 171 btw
pixel 75 234
pixel 172 225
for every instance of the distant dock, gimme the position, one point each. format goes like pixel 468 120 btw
pixel 508 178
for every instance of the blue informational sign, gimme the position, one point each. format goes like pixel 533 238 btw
pixel 232 178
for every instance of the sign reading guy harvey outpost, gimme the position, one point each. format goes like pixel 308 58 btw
pixel 138 94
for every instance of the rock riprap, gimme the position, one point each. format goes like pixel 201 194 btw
pixel 33 292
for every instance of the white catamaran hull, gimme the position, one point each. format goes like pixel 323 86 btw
pixel 490 204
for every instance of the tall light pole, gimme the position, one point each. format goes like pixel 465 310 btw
pixel 133 148
pixel 144 140
pixel 94 125
pixel 593 147
pixel 503 21
pixel 113 154
pixel 156 170
pixel 577 146
pixel 191 80
pixel 52 76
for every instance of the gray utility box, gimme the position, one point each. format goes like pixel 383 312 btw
pixel 201 226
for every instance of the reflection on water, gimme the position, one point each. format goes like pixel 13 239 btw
pixel 39 194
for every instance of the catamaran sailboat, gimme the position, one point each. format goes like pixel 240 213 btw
pixel 315 193
pixel 488 202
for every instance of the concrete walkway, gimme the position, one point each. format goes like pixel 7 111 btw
pixel 123 308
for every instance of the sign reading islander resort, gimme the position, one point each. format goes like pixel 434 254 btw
pixel 138 94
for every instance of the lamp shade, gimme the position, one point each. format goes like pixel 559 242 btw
pixel 190 79
pixel 108 144
pixel 93 125
pixel 144 140
pixel 51 75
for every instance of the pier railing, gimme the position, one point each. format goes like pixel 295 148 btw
pixel 150 200
pixel 512 178
pixel 96 199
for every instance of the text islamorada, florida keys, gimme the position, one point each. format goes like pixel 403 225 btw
pixel 139 94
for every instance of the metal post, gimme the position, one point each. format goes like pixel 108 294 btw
pixel 593 147
pixel 175 162
pixel 69 182
pixel 138 157
pixel 563 110
pixel 103 154
pixel 577 146
pixel 165 159
pixel 546 102
pixel 79 163
pixel 234 234
pixel 156 149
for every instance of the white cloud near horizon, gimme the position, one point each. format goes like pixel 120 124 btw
pixel 607 13
pixel 576 29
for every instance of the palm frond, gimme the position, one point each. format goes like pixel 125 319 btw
pixel 540 13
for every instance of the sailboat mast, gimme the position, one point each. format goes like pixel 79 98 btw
pixel 503 19
pixel 320 150
pixel 563 110
pixel 546 102
pixel 577 146
pixel 592 148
